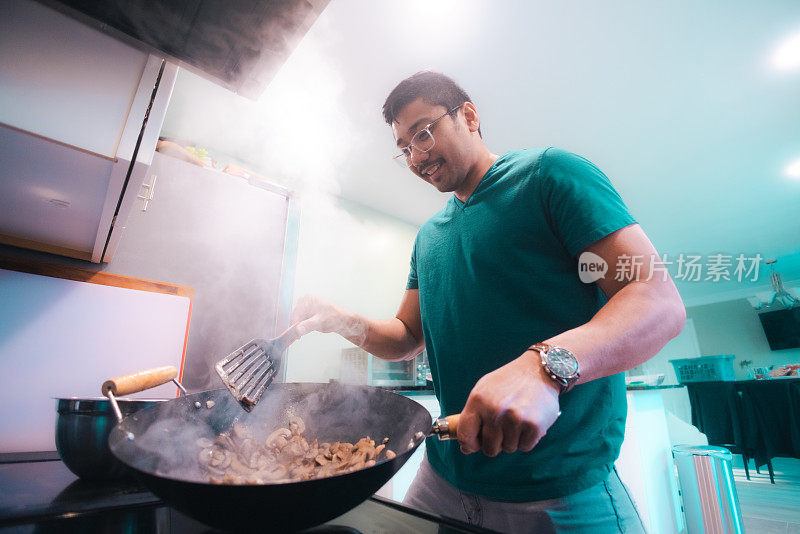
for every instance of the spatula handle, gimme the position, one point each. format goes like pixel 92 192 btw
pixel 139 381
pixel 289 336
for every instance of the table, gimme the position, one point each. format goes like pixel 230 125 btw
pixel 759 419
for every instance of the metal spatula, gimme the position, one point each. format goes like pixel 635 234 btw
pixel 250 369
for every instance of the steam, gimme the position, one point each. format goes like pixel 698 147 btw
pixel 163 440
pixel 300 133
pixel 314 314
pixel 296 133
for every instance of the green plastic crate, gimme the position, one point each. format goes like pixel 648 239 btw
pixel 704 369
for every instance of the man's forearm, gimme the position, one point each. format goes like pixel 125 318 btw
pixel 630 329
pixel 388 339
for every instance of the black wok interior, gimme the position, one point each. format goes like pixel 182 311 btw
pixel 159 444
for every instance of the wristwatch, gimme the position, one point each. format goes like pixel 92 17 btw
pixel 559 364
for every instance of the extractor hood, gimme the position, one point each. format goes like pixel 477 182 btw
pixel 239 44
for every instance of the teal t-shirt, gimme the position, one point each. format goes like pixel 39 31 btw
pixel 499 273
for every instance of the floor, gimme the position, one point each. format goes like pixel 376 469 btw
pixel 770 508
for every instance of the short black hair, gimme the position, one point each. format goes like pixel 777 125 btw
pixel 434 88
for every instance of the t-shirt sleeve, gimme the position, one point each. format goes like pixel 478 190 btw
pixel 413 283
pixel 581 204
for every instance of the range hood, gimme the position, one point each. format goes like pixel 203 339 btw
pixel 239 44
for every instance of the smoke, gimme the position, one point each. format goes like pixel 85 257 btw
pixel 301 134
pixel 163 440
pixel 313 314
pixel 297 132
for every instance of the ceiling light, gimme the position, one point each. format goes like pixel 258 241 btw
pixel 787 56
pixel 793 169
pixel 778 298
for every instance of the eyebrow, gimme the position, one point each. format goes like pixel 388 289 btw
pixel 414 127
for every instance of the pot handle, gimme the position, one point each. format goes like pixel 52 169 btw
pixel 136 382
pixel 139 381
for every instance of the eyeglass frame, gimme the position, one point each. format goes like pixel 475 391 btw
pixel 427 128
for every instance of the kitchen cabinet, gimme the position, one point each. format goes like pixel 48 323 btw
pixel 645 461
pixel 240 45
pixel 80 114
pixel 233 240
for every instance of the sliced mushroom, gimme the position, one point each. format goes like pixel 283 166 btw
pixel 279 438
pixel 241 431
pixel 238 467
pixel 205 443
pixel 205 456
pixel 297 425
pixel 235 457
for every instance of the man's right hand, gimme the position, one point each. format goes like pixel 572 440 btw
pixel 398 338
pixel 314 314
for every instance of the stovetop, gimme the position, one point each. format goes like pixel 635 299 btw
pixel 39 494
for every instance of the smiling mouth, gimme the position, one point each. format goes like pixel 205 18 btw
pixel 431 170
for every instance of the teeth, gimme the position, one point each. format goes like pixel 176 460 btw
pixel 431 169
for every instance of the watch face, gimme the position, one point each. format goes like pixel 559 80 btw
pixel 562 362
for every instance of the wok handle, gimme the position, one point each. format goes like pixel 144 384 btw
pixel 139 381
pixel 446 427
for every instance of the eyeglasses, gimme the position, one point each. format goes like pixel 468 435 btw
pixel 423 140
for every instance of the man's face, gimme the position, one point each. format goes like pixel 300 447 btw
pixel 444 166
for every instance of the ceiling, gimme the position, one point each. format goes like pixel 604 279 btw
pixel 679 103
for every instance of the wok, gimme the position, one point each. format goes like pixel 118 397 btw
pixel 159 444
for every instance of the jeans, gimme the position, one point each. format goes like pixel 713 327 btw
pixel 603 508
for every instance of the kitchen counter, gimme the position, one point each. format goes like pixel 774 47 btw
pixel 413 391
pixel 645 463
pixel 40 493
pixel 634 387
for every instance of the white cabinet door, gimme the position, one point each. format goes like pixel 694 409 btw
pixel 64 80
pixel 80 115
pixel 221 235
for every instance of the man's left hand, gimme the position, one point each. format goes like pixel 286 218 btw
pixel 509 409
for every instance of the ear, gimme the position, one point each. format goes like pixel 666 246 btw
pixel 471 116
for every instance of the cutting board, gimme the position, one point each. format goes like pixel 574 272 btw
pixel 62 337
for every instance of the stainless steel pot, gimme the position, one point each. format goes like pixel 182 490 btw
pixel 83 425
pixel 82 430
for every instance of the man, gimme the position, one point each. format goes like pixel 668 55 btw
pixel 531 356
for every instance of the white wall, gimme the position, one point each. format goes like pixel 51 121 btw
pixel 733 327
pixel 685 345
pixel 356 258
pixel 730 327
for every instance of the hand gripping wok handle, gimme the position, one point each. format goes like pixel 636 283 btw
pixel 140 381
pixel 446 427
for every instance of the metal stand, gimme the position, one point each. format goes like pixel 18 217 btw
pixel 708 492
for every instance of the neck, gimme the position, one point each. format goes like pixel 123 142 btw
pixel 475 175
